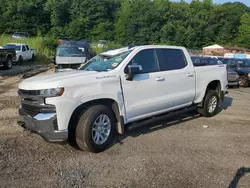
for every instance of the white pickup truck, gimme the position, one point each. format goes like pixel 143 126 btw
pixel 23 52
pixel 109 94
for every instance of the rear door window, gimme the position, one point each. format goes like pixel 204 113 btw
pixel 27 47
pixel 171 59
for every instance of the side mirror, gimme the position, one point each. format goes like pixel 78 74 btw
pixel 132 70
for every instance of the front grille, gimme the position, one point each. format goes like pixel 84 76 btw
pixel 232 77
pixel 28 92
pixel 66 66
pixel 34 110
pixel 31 110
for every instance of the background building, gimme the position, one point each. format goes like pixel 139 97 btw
pixel 221 50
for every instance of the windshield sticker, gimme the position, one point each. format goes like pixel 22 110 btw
pixel 114 64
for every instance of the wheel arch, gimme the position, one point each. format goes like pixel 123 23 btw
pixel 9 56
pixel 214 85
pixel 110 103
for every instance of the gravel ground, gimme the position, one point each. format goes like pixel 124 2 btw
pixel 188 151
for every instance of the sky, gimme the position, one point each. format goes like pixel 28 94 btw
pixel 247 2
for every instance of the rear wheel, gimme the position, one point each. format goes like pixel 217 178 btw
pixel 95 129
pixel 33 57
pixel 8 64
pixel 211 104
pixel 20 60
pixel 243 80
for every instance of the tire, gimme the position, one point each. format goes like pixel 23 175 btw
pixel 8 64
pixel 87 137
pixel 243 81
pixel 33 57
pixel 20 60
pixel 211 96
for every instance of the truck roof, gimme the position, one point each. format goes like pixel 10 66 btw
pixel 17 44
pixel 121 50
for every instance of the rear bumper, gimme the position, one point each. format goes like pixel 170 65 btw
pixel 44 124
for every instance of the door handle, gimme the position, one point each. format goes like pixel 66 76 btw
pixel 190 75
pixel 160 79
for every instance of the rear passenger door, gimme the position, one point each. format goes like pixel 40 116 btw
pixel 179 78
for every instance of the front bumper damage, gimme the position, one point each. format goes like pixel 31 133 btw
pixel 41 119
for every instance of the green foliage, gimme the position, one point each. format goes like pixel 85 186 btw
pixel 126 22
pixel 244 31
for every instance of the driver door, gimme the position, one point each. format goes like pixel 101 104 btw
pixel 24 53
pixel 143 95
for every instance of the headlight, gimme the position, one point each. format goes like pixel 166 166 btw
pixel 248 74
pixel 54 92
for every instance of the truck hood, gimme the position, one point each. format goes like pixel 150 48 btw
pixel 70 60
pixel 244 69
pixel 53 80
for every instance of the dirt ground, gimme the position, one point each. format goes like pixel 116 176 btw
pixel 186 151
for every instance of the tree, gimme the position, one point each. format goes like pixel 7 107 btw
pixel 121 21
pixel 244 30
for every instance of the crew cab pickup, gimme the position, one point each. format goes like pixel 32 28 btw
pixel 7 56
pixel 23 52
pixel 108 95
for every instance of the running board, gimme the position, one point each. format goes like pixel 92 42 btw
pixel 160 117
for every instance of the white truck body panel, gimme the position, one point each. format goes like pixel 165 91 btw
pixel 147 95
pixel 70 60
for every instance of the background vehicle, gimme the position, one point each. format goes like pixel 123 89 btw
pixel 71 54
pixel 23 52
pixel 242 67
pixel 19 35
pixel 232 76
pixel 102 44
pixel 108 95
pixel 6 57
pixel 201 61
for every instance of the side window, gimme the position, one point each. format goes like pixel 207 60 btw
pixel 204 61
pixel 232 63
pixel 23 48
pixel 145 58
pixel 171 59
pixel 212 61
pixel 27 47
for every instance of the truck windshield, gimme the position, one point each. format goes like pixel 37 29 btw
pixel 12 46
pixel 103 63
pixel 69 51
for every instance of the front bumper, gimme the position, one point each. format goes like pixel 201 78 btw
pixel 233 83
pixel 45 125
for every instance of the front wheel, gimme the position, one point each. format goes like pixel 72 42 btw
pixel 211 104
pixel 243 80
pixel 8 64
pixel 95 128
